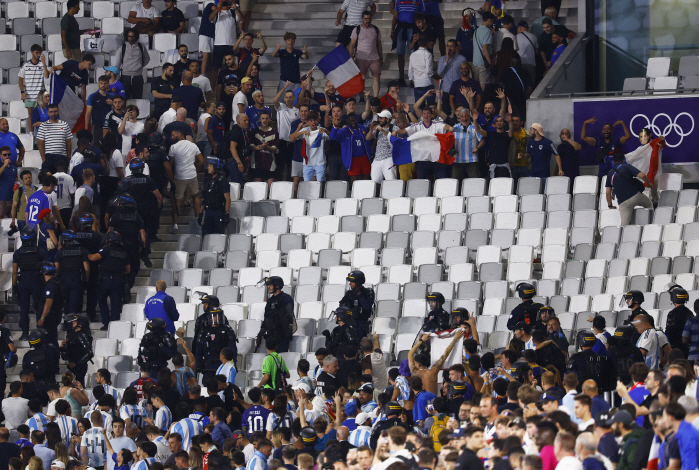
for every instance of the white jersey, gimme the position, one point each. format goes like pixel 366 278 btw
pixel 64 190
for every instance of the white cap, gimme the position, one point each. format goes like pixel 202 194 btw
pixel 58 463
pixel 361 418
pixel 302 386
pixel 385 114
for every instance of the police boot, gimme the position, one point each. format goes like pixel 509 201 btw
pixel 144 257
pixel 127 293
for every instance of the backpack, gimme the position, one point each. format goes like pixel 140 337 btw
pixel 279 380
pixel 437 426
pixel 359 28
pixel 409 462
pixel 182 384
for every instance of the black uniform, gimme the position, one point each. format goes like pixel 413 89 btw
pixel 590 365
pixel 129 224
pixel 676 319
pixel 279 322
pixel 526 312
pixel 210 343
pixel 388 423
pixel 341 336
pixel 141 188
pixel 155 350
pixel 42 360
pixel 361 302
pixel 78 350
pixel 551 355
pixel 111 284
pixel 52 290
pixel 621 357
pixel 72 274
pixel 28 260
pixel 199 325
pixel 156 167
pixel 5 341
pixel 91 241
pixel 215 217
pixel 436 320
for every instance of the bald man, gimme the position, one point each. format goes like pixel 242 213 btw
pixel 7 449
pixel 589 388
pixel 162 306
pixel 191 95
pixel 181 124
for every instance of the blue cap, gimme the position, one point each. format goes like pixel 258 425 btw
pixel 351 408
pixel 459 432
pixel 112 69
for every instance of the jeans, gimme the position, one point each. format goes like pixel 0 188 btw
pixel 133 87
pixel 440 170
pixel 519 172
pixel 335 169
pixel 419 92
pixel 318 171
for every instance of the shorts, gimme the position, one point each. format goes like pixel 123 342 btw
pixel 406 171
pixel 402 44
pixel 481 73
pixel 437 23
pixel 30 103
pixel 373 65
pixel 5 208
pixel 296 169
pixel 246 5
pixel 264 175
pixel 219 53
pixel 309 171
pixel 360 166
pixel 206 44
pixel 344 37
pixel 182 185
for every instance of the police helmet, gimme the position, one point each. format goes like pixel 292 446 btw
pixel 357 277
pixel 126 200
pixel 124 186
pixel 215 316
pixel 635 295
pixel 461 313
pixel 155 140
pixel 136 165
pixel 85 222
pixel 28 236
pixel 393 408
pixel 113 237
pixel 36 337
pixel 308 436
pixel 275 281
pixel 211 300
pixel 436 297
pixel 343 314
pixel 69 238
pixel 217 163
pixel 678 295
pixel 456 388
pixel 156 325
pixel 82 319
pixel 525 290
pixel 622 334
pixel 48 269
pixel 548 311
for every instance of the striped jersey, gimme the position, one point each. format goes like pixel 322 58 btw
pixel 134 413
pixel 227 369
pixel 274 422
pixel 143 464
pixel 369 406
pixel 360 436
pixel 106 419
pixel 465 142
pixel 163 418
pixel 68 425
pixel 403 387
pixel 147 411
pixel 257 462
pixel 93 440
pixel 187 428
pixel 33 75
pixel 354 9
pixel 38 422
pixel 55 135
pixel 113 391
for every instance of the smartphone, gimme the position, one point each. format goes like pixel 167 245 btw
pixel 430 407
pixel 384 433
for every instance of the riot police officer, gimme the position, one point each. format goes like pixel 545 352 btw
pixel 157 347
pixel 115 265
pixel 677 318
pixel 42 360
pixel 77 347
pixel 309 439
pixel 623 352
pixel 527 310
pixel 344 334
pixel 360 300
pixel 633 300
pixel 279 321
pixel 50 303
pixel 215 336
pixel 160 167
pixel 459 316
pixel 130 226
pixel 74 270
pixel 8 351
pixel 542 318
pixel 27 281
pixel 590 365
pixel 437 319
pixel 92 242
pixel 217 199
pixel 208 302
pixel 148 198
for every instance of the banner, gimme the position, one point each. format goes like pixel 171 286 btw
pixel 440 343
pixel 675 118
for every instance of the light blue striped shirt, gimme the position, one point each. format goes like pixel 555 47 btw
pixel 163 418
pixel 67 425
pixel 93 440
pixel 187 428
pixel 257 462
pixel 106 419
pixel 109 390
pixel 142 465
pixel 38 422
pixel 228 369
pixel 465 141
pixel 134 413
pixel 360 436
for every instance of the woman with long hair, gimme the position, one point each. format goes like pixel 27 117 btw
pixel 53 436
pixel 196 458
pixel 62 453
pixel 280 417
pixel 83 425
pixel 84 206
pixel 27 453
pixel 73 392
pixel 503 60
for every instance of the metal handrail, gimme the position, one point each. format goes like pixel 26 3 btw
pixel 622 93
pixel 569 60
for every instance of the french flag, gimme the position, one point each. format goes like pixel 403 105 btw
pixel 423 147
pixel 343 73
pixel 70 107
pixel 316 144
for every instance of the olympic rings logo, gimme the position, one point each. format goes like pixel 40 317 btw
pixel 672 126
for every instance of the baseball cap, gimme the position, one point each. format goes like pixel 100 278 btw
pixel 221 103
pixel 237 434
pixel 459 432
pixel 246 80
pixel 366 388
pixel 621 416
pixel 520 325
pixel 112 69
pixel 375 101
pixel 523 24
pixel 538 128
pixel 601 419
pixel 351 407
pixel 361 418
pixel 546 397
pixel 302 386
pixel 58 463
pixel 385 114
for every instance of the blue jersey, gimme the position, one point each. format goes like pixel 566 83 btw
pixel 163 418
pixel 187 428
pixel 422 399
pixel 255 418
pixel 37 202
pixel 38 422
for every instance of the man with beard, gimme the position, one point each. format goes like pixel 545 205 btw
pixel 181 65
pixel 355 149
pixel 486 121
pixel 540 150
pixel 382 167
pixel 335 170
pixel 456 97
pixel 607 145
pixel 622 426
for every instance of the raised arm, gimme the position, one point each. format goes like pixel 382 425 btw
pixel 500 93
pixel 627 133
pixel 438 365
pixel 280 93
pixel 583 131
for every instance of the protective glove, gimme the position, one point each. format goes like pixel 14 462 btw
pixel 326 333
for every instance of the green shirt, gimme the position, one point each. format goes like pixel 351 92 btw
pixel 270 365
pixel 70 25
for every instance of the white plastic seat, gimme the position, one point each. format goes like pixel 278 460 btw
pixel 363 257
pixel 400 274
pixel 254 190
pixel 504 203
pixel 424 255
pixel 579 303
pixel 445 187
pixel 673 248
pixel 363 188
pixel 461 272
pixel 492 306
pixel 252 225
pixel 399 205
pixel 303 225
pixel 616 285
pixel 281 191
pixel 476 204
pixel 552 270
pixel 328 224
pixel 488 254
pixel 451 205
pixel 276 224
pixel 293 207
pixel 639 267
pixel 176 260
pixel 520 254
pixel 267 241
pixel 119 330
pixel 585 184
pixel 346 206
pixel 529 236
pixel 163 42
pixel 378 223
pixel 249 276
pixel 429 222
pixel 424 205
pixel 554 253
pixel 596 268
pixel 555 236
pixel 519 271
pixel 268 259
pixel 507 220
pixel 660 282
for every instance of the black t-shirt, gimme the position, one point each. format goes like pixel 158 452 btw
pixel 227 74
pixel 622 181
pixel 170 20
pixel 72 75
pixel 347 367
pixel 179 68
pixel 499 145
pixel 191 97
pixel 324 379
pixel 468 460
pixel 429 33
pixel 7 451
pixel 240 137
pixel 569 159
pixel 165 87
pixel 185 128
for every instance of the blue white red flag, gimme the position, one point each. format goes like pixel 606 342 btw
pixel 71 108
pixel 343 73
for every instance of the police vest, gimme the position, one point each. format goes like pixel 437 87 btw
pixel 29 259
pixel 127 226
pixel 57 305
pixel 72 260
pixel 213 195
pixel 214 340
pixel 116 260
pixel 36 360
pixel 78 344
pixel 89 240
pixel 140 190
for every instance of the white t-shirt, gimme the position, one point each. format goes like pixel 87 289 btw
pixel 183 154
pixel 131 130
pixel 652 341
pixel 248 451
pixel 115 161
pixel 167 117
pixel 526 42
pixel 119 443
pixel 75 160
pixel 239 98
pixel 51 411
pixel 201 128
pixel 226 31
pixel 202 83
pixel 501 34
pixel 64 190
pixel 150 13
pixel 285 116
pixel 433 128
pixel 569 463
pixel 16 411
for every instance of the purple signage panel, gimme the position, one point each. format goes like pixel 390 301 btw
pixel 675 118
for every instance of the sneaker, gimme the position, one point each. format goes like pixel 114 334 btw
pixel 104 328
pixel 155 239
pixel 402 83
pixel 24 337
pixel 146 261
pixel 173 229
